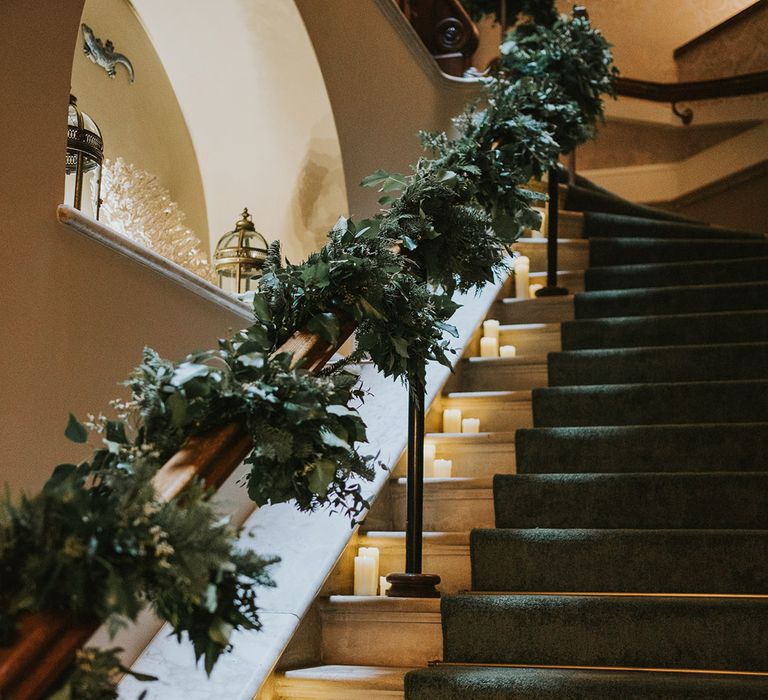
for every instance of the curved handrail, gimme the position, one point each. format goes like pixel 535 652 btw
pixel 733 86
pixel 48 641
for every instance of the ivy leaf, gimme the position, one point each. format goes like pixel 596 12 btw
pixel 75 430
pixel 326 325
pixel 261 308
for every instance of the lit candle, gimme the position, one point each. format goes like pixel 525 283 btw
pixel 489 347
pixel 429 459
pixel 365 576
pixel 452 420
pixel 507 351
pixel 533 289
pixel 384 585
pixel 491 328
pixel 470 425
pixel 443 468
pixel 522 268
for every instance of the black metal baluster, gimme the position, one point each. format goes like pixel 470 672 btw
pixel 552 290
pixel 413 583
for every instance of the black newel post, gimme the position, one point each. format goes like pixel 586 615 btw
pixel 552 290
pixel 413 583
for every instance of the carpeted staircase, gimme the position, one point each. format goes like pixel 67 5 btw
pixel 630 553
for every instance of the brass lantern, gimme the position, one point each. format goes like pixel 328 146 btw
pixel 85 155
pixel 239 256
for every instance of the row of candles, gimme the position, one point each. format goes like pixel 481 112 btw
pixel 368 581
pixel 489 343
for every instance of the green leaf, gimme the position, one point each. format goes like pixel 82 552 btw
pixel 401 346
pixel 333 440
pixel 186 371
pixel 75 430
pixel 326 325
pixel 261 308
pixel 177 405
pixel 322 476
pixel 116 432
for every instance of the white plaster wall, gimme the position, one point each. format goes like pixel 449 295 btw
pixel 251 91
pixel 141 121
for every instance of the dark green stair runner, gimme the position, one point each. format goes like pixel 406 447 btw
pixel 652 404
pixel 646 473
pixel 673 329
pixel 750 296
pixel 676 274
pixel 574 560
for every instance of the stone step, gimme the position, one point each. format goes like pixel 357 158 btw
pixel 380 631
pixel 459 503
pixel 572 253
pixel 544 310
pixel 444 553
pixel 573 281
pixel 502 373
pixel 498 411
pixel 531 338
pixel 570 224
pixel 339 682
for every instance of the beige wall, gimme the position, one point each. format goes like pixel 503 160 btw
pixel 383 87
pixel 141 121
pixel 253 97
pixel 646 33
pixel 73 316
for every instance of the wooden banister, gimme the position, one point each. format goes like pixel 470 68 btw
pixel 447 31
pixel 733 86
pixel 48 641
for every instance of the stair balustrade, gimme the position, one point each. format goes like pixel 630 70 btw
pixel 49 640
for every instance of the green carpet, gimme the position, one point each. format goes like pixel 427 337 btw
pixel 641 251
pixel 646 476
pixel 676 329
pixel 573 560
pixel 605 225
pixel 748 296
pixel 637 631
pixel 463 683
pixel 688 363
pixel 741 401
pixel 633 448
pixel 651 500
pixel 676 274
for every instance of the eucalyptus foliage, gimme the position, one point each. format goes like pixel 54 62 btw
pixel 564 68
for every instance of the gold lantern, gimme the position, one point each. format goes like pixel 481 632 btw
pixel 239 256
pixel 85 155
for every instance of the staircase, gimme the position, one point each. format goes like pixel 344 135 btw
pixel 606 534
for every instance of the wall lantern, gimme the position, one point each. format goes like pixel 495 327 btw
pixel 239 257
pixel 85 155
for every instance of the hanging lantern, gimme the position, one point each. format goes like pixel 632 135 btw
pixel 85 155
pixel 239 256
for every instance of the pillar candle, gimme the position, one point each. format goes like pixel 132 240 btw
pixel 429 459
pixel 452 420
pixel 533 289
pixel 507 351
pixel 365 576
pixel 470 425
pixel 522 267
pixel 384 585
pixel 489 347
pixel 491 328
pixel 371 553
pixel 443 468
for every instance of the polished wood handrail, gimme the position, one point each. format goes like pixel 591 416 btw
pixel 447 31
pixel 48 641
pixel 733 86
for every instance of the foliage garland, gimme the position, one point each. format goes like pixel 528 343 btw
pixel 97 540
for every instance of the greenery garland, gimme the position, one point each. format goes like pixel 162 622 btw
pixel 98 542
